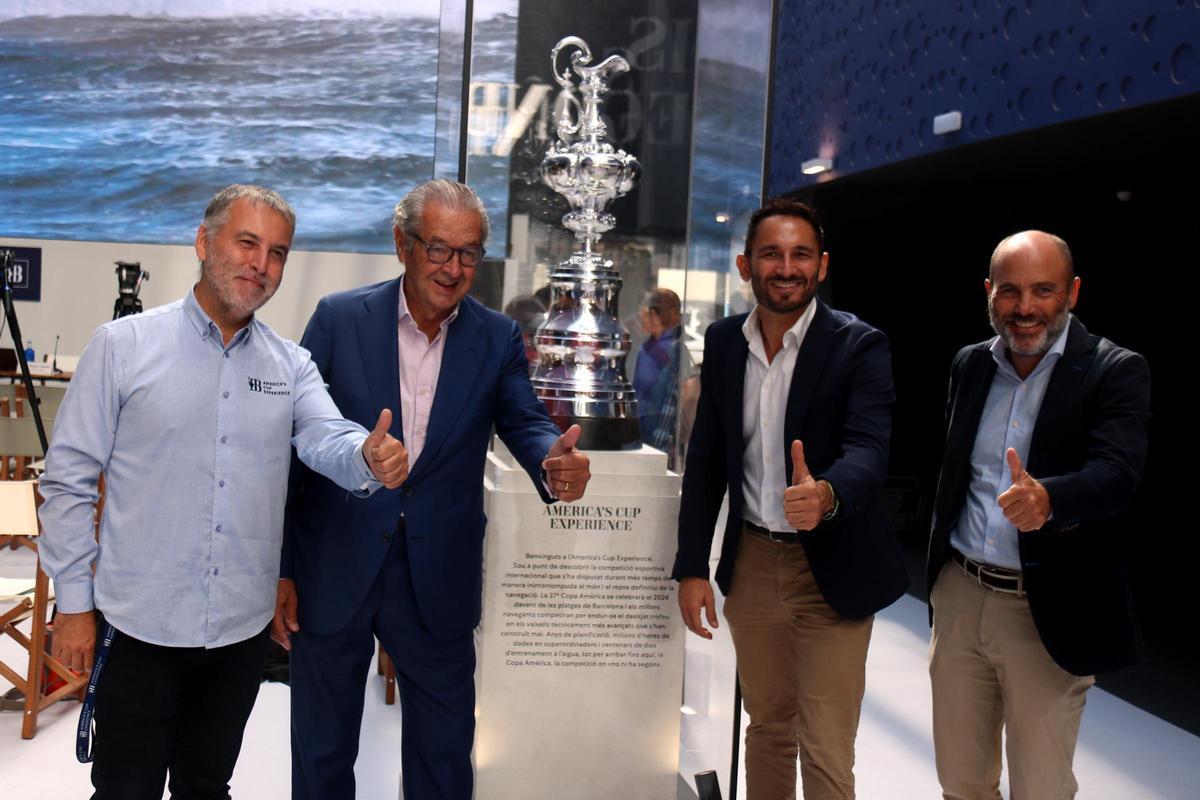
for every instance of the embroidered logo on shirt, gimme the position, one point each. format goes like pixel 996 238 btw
pixel 268 387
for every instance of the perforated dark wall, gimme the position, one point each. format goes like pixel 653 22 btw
pixel 860 82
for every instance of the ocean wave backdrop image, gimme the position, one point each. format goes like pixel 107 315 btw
pixel 119 128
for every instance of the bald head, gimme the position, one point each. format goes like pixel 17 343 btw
pixel 1038 246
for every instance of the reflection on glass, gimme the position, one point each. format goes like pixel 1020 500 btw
pixel 449 89
pixel 733 46
pixel 492 107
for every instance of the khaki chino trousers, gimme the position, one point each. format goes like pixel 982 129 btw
pixel 989 671
pixel 802 673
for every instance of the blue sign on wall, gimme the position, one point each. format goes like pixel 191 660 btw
pixel 25 276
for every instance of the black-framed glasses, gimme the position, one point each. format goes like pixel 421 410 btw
pixel 439 253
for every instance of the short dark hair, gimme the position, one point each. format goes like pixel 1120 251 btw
pixel 527 311
pixel 785 207
pixel 665 303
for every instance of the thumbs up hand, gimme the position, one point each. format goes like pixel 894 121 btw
pixel 386 455
pixel 806 501
pixel 1026 504
pixel 567 469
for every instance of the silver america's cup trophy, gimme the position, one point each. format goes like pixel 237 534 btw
pixel 582 346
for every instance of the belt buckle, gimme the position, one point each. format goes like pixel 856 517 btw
pixel 1019 591
pixel 979 572
pixel 776 537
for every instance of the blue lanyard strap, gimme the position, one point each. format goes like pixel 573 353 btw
pixel 83 736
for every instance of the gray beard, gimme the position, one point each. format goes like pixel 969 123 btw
pixel 1053 330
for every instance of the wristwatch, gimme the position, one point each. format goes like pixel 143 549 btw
pixel 837 504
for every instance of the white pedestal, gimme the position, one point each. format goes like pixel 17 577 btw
pixel 581 649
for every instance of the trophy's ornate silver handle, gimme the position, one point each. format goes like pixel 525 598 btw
pixel 583 57
pixel 602 72
pixel 568 126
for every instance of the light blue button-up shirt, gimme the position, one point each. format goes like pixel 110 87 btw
pixel 195 440
pixel 982 532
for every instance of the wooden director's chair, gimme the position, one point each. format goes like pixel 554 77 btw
pixel 29 598
pixel 20 447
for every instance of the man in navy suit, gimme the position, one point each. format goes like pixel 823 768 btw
pixel 1046 438
pixel 406 565
pixel 794 421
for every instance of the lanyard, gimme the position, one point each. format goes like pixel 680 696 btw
pixel 83 743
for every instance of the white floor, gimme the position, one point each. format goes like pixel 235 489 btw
pixel 1123 753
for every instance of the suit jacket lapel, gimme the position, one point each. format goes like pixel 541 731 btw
pixel 462 361
pixel 810 363
pixel 1062 393
pixel 970 390
pixel 379 348
pixel 970 396
pixel 733 377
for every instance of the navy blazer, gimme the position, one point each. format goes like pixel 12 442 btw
pixel 1088 449
pixel 839 406
pixel 334 544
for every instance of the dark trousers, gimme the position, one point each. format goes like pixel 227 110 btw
pixel 180 710
pixel 436 678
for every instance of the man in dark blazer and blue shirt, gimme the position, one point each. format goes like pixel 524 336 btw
pixel 1046 439
pixel 406 565
pixel 793 421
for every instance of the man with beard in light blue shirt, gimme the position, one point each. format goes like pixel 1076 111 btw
pixel 1029 596
pixel 190 411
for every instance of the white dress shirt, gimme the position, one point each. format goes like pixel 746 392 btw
pixel 764 403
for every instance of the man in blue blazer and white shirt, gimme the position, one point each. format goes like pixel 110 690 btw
pixel 793 421
pixel 406 565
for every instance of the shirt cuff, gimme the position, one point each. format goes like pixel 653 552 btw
pixel 369 483
pixel 73 598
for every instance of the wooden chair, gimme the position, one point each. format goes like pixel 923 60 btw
pixel 29 599
pixel 48 395
pixel 19 443
pixel 20 448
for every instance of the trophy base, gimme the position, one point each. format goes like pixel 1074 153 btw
pixel 603 434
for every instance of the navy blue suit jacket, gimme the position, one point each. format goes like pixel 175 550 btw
pixel 1089 445
pixel 839 406
pixel 335 544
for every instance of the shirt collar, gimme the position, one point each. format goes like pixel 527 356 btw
pixel 793 336
pixel 207 328
pixel 1048 360
pixel 403 314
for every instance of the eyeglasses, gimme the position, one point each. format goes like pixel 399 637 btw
pixel 442 253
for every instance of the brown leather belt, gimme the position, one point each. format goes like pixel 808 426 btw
pixel 998 579
pixel 779 537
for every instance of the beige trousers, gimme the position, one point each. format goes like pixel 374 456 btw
pixel 989 671
pixel 802 674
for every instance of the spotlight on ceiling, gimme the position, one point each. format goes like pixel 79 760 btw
pixel 815 166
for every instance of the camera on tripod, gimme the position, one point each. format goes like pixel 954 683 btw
pixel 129 282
